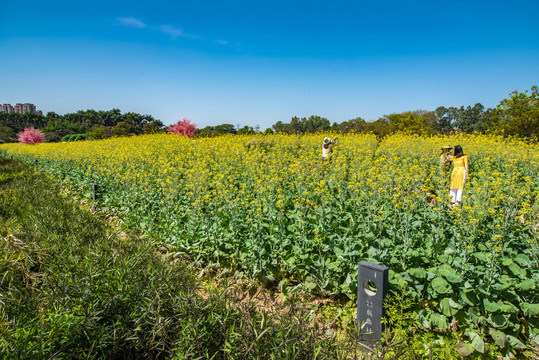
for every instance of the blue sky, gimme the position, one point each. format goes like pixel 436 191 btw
pixel 258 62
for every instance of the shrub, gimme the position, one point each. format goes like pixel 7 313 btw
pixel 31 136
pixel 183 127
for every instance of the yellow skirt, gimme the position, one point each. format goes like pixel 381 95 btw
pixel 458 178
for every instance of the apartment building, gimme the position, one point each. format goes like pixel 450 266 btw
pixel 20 109
pixel 7 108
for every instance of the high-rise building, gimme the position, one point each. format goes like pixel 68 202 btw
pixel 20 108
pixel 7 108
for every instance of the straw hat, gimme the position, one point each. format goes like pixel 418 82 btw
pixel 447 147
pixel 327 140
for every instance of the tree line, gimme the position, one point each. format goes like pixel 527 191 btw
pixel 101 124
pixel 518 116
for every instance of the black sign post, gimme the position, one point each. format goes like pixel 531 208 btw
pixel 372 287
pixel 94 194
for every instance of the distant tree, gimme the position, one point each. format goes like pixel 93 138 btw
pixel 312 124
pixel 58 127
pixel 466 119
pixel 446 117
pixel 7 134
pixel 409 122
pixel 432 118
pixel 183 127
pixel 268 131
pixel 153 127
pixel 122 129
pixel 30 136
pixel 107 118
pixel 207 131
pixel 225 129
pixel 137 121
pixel 357 125
pixel 279 126
pixel 246 130
pixel 519 114
pixel 99 131
pixel 472 119
pixel 381 127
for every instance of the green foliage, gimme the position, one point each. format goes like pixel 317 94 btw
pixel 246 130
pixel 71 288
pixel 122 129
pixel 78 137
pixel 61 127
pixel 7 134
pixel 313 123
pixel 99 131
pixel 519 115
pixel 218 130
pixel 56 126
pixel 469 119
pixel 409 123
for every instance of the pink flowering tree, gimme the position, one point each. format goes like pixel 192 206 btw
pixel 31 136
pixel 183 127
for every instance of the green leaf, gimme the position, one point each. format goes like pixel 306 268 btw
pixel 514 342
pixel 450 274
pixel 469 297
pixel 438 321
pixel 517 270
pixel 444 259
pixel 498 320
pixel 449 307
pixel 465 349
pixel 477 343
pixel 454 278
pixel 522 259
pixel 490 306
pixel 499 337
pixel 441 286
pixel 526 285
pixel 530 309
pixel 506 307
pixel 333 266
pixel 482 247
pixel 480 256
pixel 418 273
pixel 310 285
pixel 506 261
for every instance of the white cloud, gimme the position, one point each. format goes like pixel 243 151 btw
pixel 167 29
pixel 222 42
pixel 131 22
pixel 175 32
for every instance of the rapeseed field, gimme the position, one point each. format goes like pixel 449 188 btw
pixel 270 209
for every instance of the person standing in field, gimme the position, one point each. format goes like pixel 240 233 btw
pixel 458 175
pixel 445 158
pixel 326 147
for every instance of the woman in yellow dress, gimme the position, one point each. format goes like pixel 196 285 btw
pixel 458 175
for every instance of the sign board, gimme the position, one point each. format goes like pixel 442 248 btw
pixel 372 287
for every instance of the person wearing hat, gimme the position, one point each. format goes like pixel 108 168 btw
pixel 326 147
pixel 445 158
pixel 458 175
